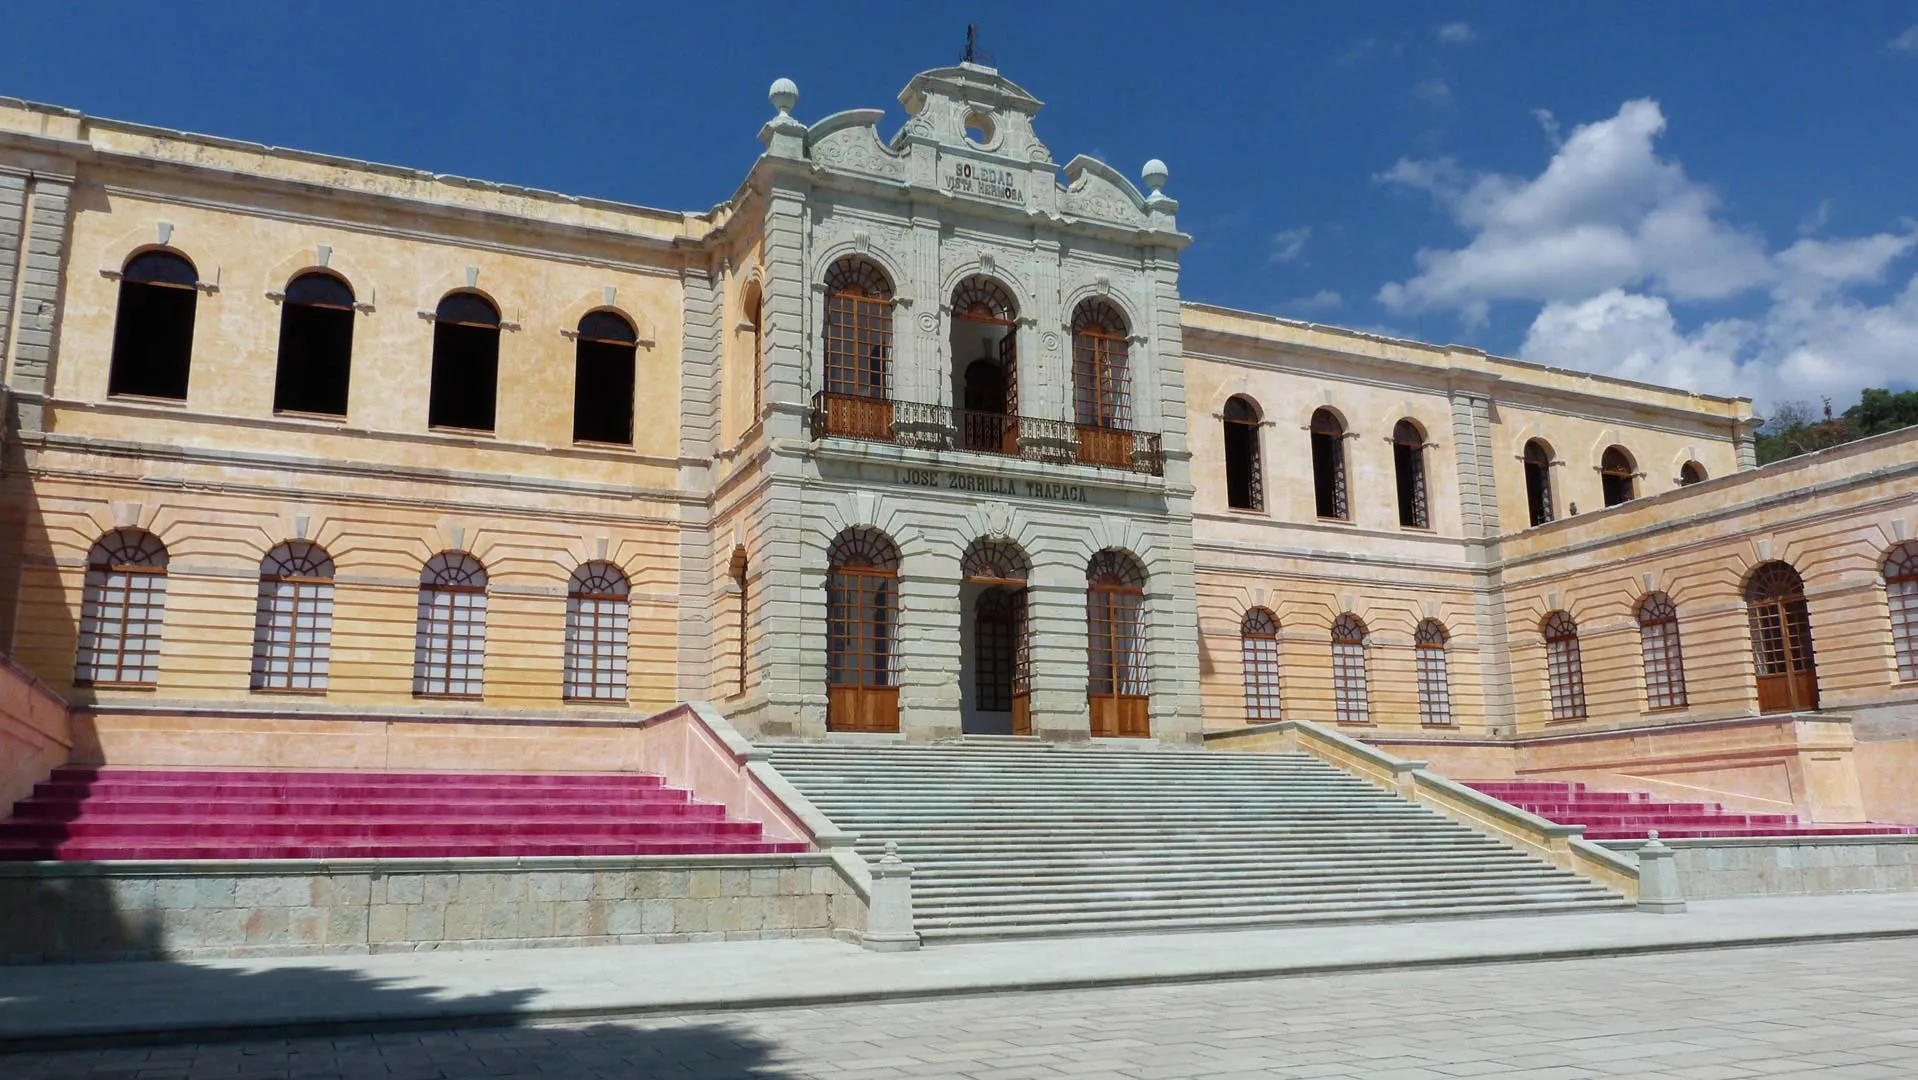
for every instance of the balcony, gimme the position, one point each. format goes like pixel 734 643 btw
pixel 939 427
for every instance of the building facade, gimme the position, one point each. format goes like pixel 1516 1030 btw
pixel 914 434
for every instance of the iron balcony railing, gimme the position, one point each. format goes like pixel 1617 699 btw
pixel 940 427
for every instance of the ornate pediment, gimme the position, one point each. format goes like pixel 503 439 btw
pixel 849 141
pixel 1094 189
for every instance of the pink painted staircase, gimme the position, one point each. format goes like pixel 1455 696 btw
pixel 122 813
pixel 1628 815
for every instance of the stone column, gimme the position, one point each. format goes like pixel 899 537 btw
pixel 1056 608
pixel 928 642
pixel 39 250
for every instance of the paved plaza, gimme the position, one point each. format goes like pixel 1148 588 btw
pixel 1825 1011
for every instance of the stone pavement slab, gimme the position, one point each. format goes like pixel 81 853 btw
pixel 214 999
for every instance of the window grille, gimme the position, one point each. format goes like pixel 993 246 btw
pixel 1101 378
pixel 1351 703
pixel 449 647
pixel 597 620
pixel 293 619
pixel 153 327
pixel 1328 466
pixel 995 562
pixel 756 316
pixel 1901 590
pixel 1620 475
pixel 858 329
pixel 1244 479
pixel 1538 481
pixel 1435 686
pixel 1691 473
pixel 862 602
pixel 1408 457
pixel 995 642
pixel 122 609
pixel 740 583
pixel 1564 670
pixel 1663 652
pixel 1259 654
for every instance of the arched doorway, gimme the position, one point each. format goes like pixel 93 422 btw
pixel 1115 630
pixel 1781 639
pixel 985 365
pixel 996 665
pixel 862 629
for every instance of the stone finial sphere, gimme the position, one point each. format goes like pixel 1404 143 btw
pixel 1154 174
pixel 784 94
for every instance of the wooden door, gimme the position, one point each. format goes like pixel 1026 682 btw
pixel 1009 372
pixel 862 621
pixel 1782 653
pixel 1116 692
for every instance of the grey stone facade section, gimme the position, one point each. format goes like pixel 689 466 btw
pixel 699 389
pixel 32 337
pixel 1477 478
pixel 13 209
pixel 1725 869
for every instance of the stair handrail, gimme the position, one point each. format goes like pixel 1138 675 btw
pixel 1563 846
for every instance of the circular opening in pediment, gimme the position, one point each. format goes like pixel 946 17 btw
pixel 979 129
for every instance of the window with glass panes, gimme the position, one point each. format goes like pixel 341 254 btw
pixel 293 619
pixel 1664 655
pixel 596 628
pixel 122 608
pixel 1901 591
pixel 1564 670
pixel 1435 687
pixel 1259 654
pixel 449 648
pixel 1351 703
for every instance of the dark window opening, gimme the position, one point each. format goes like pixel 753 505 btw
pixel 316 346
pixel 465 363
pixel 1620 477
pixel 603 383
pixel 153 327
pixel 1538 481
pixel 1408 456
pixel 1328 465
pixel 1691 473
pixel 1244 487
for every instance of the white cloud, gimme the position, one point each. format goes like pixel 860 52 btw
pixel 1610 237
pixel 1905 42
pixel 1457 33
pixel 1434 92
pixel 1323 300
pixel 1549 124
pixel 1817 219
pixel 1289 245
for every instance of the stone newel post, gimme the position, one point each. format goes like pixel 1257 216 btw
pixel 1658 891
pixel 889 915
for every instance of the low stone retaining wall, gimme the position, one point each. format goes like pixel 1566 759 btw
pixel 184 910
pixel 1732 867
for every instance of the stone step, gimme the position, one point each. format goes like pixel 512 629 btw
pixel 1241 920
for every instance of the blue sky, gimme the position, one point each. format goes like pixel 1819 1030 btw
pixel 1717 195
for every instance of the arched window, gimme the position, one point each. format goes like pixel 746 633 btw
pixel 465 363
pixel 1435 685
pixel 1664 655
pixel 858 329
pixel 1002 631
pixel 316 346
pixel 862 632
pixel 1351 702
pixel 1101 374
pixel 1564 670
pixel 756 348
pixel 1538 481
pixel 293 619
pixel 1620 475
pixel 1691 473
pixel 1244 480
pixel 1408 458
pixel 449 641
pixel 606 357
pixel 1116 658
pixel 153 327
pixel 1781 639
pixel 122 606
pixel 984 348
pixel 596 626
pixel 744 614
pixel 1901 590
pixel 1259 653
pixel 1328 466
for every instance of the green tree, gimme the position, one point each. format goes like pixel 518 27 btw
pixel 1794 428
pixel 1879 411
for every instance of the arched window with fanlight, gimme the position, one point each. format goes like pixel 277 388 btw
pixel 1662 651
pixel 1244 477
pixel 984 344
pixel 1408 461
pixel 1780 617
pixel 1538 481
pixel 755 327
pixel 316 345
pixel 597 615
pixel 1102 384
pixel 153 327
pixel 1435 684
pixel 1691 473
pixel 1351 699
pixel 858 350
pixel 605 363
pixel 449 643
pixel 465 379
pixel 293 619
pixel 1619 474
pixel 1259 654
pixel 122 608
pixel 1564 667
pixel 1330 494
pixel 862 632
pixel 1117 687
pixel 1901 592
pixel 1001 629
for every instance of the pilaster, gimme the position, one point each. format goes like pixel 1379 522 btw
pixel 34 266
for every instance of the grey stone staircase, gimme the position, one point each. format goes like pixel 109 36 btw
pixel 1014 837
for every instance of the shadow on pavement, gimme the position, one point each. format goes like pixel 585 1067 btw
pixel 384 1030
